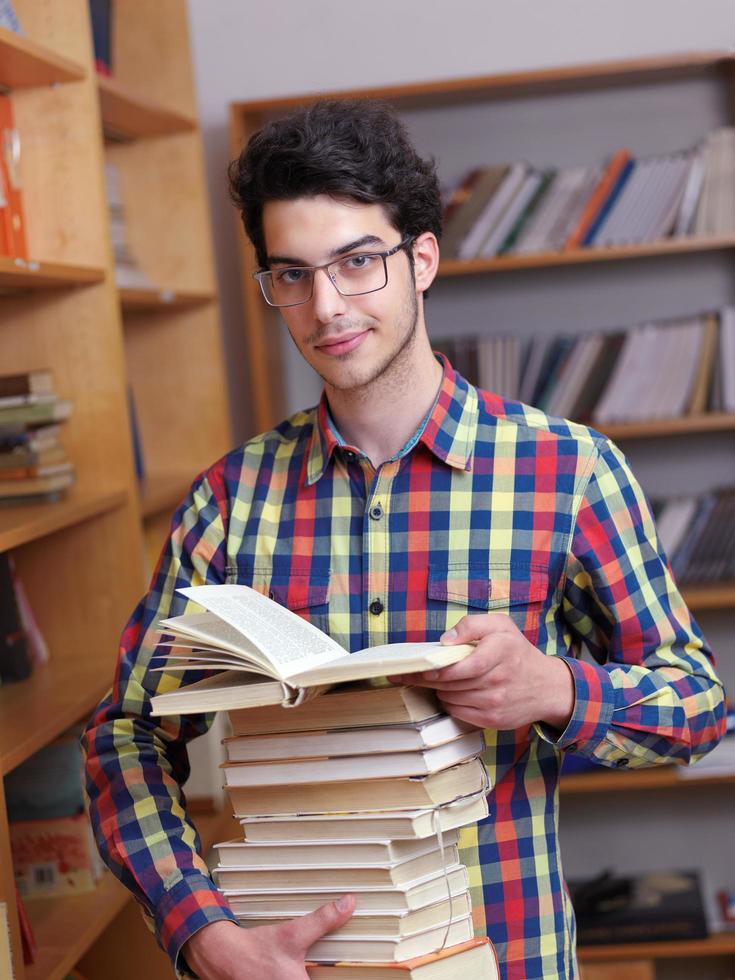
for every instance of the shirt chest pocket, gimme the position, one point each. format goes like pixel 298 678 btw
pixel 302 588
pixel 518 589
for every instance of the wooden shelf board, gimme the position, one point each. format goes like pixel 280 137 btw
pixel 19 525
pixel 578 256
pixel 65 928
pixel 615 780
pixel 127 115
pixel 56 695
pixel 719 595
pixel 567 77
pixel 23 274
pixel 26 64
pixel 150 300
pixel 719 944
pixel 686 425
pixel 160 493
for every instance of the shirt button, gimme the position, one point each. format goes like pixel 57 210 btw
pixel 572 748
pixel 622 763
pixel 376 607
pixel 376 512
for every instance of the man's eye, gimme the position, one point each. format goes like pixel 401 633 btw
pixel 288 277
pixel 357 263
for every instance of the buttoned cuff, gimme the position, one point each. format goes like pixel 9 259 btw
pixel 594 701
pixel 189 903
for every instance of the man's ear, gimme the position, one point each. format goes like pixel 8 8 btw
pixel 425 250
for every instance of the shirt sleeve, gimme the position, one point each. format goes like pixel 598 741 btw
pixel 136 764
pixel 651 696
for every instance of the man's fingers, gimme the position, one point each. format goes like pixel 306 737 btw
pixel 304 931
pixel 474 627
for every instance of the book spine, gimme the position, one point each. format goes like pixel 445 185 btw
pixel 598 198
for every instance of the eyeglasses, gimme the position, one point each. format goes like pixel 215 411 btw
pixel 353 275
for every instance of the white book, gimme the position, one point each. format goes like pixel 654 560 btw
pixel 612 399
pixel 375 949
pixel 664 218
pixel 536 236
pixel 346 741
pixel 690 198
pixel 674 521
pixel 246 631
pixel 393 824
pixel 403 897
pixel 616 228
pixel 326 853
pixel 493 211
pixel 727 358
pixel 500 231
pixel 569 218
pixel 379 765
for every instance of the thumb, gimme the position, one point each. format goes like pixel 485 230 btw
pixel 308 928
pixel 470 629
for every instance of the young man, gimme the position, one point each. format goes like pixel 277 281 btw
pixel 407 506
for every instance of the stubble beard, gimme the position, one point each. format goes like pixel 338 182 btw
pixel 391 371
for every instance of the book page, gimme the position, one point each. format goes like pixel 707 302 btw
pixel 288 642
pixel 382 661
pixel 214 634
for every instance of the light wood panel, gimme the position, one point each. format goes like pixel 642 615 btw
pixel 127 116
pixel 25 63
pixel 619 780
pixel 719 944
pixel 161 493
pixel 159 300
pixel 29 522
pixel 21 275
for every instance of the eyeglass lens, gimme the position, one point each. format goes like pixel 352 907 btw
pixel 353 275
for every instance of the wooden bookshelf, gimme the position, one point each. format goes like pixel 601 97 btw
pixel 25 274
pixel 718 944
pixel 26 64
pixel 664 428
pixel 22 524
pixel 162 493
pixel 127 115
pixel 719 595
pixel 159 300
pixel 619 780
pixel 580 256
pixel 65 930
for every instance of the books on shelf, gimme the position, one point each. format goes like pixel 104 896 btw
pixel 33 463
pixel 12 220
pixel 100 12
pixel 625 200
pixel 698 535
pixel 652 371
pixel 252 636
pixel 128 272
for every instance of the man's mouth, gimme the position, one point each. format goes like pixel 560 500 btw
pixel 341 343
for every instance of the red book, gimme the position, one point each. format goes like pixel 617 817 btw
pixel 12 232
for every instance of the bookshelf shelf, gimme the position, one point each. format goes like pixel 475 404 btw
pixel 163 492
pixel 644 779
pixel 65 928
pixel 719 944
pixel 29 522
pixel 26 64
pixel 578 256
pixel 129 116
pixel 719 595
pixel 37 710
pixel 150 300
pixel 24 274
pixel 687 425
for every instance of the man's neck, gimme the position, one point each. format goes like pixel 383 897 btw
pixel 380 419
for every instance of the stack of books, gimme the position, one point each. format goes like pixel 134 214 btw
pixel 339 808
pixel 33 463
pixel 657 370
pixel 517 209
pixel 360 788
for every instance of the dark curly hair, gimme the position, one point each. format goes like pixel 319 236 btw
pixel 347 148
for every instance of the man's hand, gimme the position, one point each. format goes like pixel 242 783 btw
pixel 506 683
pixel 222 951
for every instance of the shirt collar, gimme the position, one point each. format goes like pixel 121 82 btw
pixel 448 432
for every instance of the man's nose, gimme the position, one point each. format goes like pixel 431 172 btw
pixel 327 301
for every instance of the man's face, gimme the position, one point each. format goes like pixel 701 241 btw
pixel 350 341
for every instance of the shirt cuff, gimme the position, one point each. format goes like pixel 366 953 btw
pixel 594 702
pixel 191 902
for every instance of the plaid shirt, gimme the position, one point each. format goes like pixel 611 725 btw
pixel 492 506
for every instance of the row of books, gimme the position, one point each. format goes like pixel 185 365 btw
pixel 34 465
pixel 698 535
pixel 656 370
pixel 517 209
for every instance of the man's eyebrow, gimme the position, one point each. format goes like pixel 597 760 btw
pixel 335 253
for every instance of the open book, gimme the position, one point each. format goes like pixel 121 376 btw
pixel 246 632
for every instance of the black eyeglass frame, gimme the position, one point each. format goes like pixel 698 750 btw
pixel 261 275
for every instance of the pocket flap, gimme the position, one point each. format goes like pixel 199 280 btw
pixel 489 585
pixel 290 584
